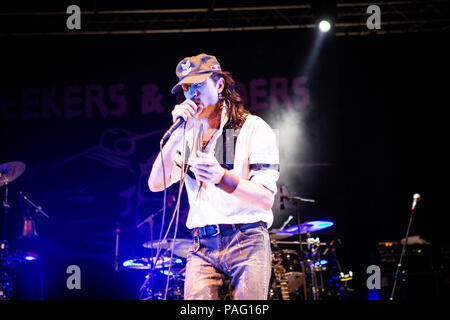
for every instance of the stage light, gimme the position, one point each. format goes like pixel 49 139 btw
pixel 324 13
pixel 324 25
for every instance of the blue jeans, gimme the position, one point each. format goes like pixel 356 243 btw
pixel 236 264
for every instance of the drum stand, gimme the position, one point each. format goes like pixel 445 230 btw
pixel 297 201
pixel 315 265
pixel 5 279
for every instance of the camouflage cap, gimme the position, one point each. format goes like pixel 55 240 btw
pixel 196 69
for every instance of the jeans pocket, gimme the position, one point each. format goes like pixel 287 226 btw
pixel 252 233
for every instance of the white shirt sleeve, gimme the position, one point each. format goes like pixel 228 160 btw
pixel 264 156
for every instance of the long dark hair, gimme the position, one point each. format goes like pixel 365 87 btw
pixel 236 110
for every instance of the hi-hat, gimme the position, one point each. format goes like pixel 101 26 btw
pixel 10 171
pixel 180 246
pixel 278 235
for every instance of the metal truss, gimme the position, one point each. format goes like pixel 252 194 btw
pixel 350 18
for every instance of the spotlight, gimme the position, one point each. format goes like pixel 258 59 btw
pixel 324 25
pixel 324 13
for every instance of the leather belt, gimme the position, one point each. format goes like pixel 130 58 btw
pixel 215 229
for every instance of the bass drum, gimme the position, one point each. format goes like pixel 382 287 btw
pixel 293 277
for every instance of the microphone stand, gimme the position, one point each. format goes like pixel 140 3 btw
pixel 399 265
pixel 297 201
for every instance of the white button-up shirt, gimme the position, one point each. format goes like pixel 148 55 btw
pixel 256 158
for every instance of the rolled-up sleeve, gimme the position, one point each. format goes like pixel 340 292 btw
pixel 264 156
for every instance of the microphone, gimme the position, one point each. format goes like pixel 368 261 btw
pixel 416 199
pixel 174 127
pixel 281 198
pixel 286 223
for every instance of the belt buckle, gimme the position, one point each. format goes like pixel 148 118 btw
pixel 218 230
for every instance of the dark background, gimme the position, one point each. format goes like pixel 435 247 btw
pixel 371 136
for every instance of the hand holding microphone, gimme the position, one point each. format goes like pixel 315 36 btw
pixel 183 112
pixel 186 110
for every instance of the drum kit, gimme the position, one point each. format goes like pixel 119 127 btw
pixel 311 273
pixel 10 257
pixel 162 267
pixel 315 275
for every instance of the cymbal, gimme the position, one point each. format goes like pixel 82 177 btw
pixel 147 263
pixel 19 256
pixel 295 242
pixel 306 227
pixel 10 171
pixel 180 247
pixel 278 235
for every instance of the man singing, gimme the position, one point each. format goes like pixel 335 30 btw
pixel 232 165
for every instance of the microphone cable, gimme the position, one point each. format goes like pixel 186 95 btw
pixel 175 213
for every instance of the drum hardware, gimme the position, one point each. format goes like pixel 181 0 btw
pixel 338 281
pixel 315 266
pixel 286 223
pixel 9 172
pixel 346 277
pixel 35 206
pixel 29 228
pixel 29 225
pixel 300 228
pixel 175 291
pixel 149 276
pixel 116 247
